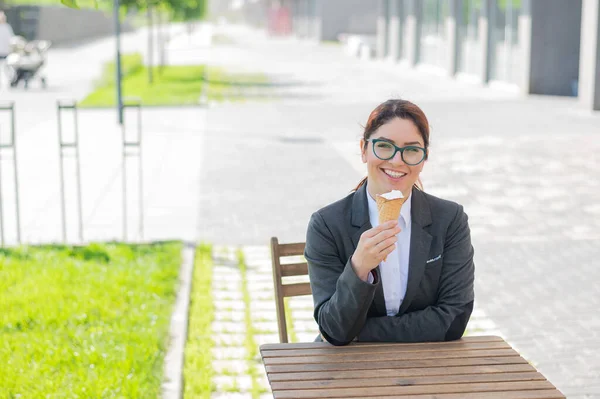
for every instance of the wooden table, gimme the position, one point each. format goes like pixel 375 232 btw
pixel 473 367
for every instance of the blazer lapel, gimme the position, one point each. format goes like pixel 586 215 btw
pixel 360 221
pixel 420 242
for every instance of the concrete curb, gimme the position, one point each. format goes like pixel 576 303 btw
pixel 173 367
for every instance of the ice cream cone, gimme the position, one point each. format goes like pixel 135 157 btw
pixel 389 206
pixel 389 209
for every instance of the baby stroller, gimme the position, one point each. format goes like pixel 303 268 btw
pixel 26 61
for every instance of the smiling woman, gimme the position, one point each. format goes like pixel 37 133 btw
pixel 405 280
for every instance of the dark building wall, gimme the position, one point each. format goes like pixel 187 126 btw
pixel 555 44
pixel 348 16
pixel 60 24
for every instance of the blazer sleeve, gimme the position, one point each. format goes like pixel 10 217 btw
pixel 341 298
pixel 448 318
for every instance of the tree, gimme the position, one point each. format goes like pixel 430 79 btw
pixel 180 10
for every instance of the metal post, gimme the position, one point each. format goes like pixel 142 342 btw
pixel 116 7
pixel 1 196
pixel 11 146
pixel 135 145
pixel 150 45
pixel 140 176
pixel 62 145
pixel 161 39
pixel 16 175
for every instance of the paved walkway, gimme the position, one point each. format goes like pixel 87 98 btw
pixel 171 149
pixel 236 174
pixel 239 373
pixel 526 170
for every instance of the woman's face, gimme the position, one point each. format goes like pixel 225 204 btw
pixel 392 174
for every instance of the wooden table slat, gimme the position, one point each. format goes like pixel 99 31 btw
pixel 318 345
pixel 343 358
pixel 399 364
pixel 470 368
pixel 412 372
pixel 390 348
pixel 407 381
pixel 412 390
pixel 528 394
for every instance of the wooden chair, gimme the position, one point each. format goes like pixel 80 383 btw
pixel 279 251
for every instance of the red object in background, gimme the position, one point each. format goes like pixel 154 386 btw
pixel 280 22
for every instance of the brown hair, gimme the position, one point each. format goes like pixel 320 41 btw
pixel 389 110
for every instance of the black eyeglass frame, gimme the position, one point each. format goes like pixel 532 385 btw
pixel 396 149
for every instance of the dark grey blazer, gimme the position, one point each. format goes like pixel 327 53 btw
pixel 439 295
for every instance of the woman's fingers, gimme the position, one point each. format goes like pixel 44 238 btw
pixel 385 244
pixel 382 227
pixel 374 245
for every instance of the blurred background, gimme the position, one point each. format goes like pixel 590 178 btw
pixel 227 123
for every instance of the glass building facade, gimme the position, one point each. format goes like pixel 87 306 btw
pixel 433 46
pixel 470 58
pixel 505 59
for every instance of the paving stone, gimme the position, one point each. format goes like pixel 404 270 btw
pixel 264 315
pixel 265 326
pixel 306 336
pixel 224 340
pixel 226 315
pixel 303 314
pixel 233 295
pixel 236 367
pixel 261 339
pixel 262 295
pixel 229 353
pixel 241 383
pixel 232 395
pixel 263 306
pixel 229 306
pixel 220 327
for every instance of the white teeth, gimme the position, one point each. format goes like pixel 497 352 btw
pixel 393 174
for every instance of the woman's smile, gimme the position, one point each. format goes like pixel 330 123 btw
pixel 393 175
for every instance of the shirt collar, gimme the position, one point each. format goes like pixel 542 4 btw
pixel 404 211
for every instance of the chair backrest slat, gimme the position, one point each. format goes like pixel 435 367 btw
pixel 294 269
pixel 279 251
pixel 297 289
pixel 291 249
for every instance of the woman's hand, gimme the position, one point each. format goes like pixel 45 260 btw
pixel 374 246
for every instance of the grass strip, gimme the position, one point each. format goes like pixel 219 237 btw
pixel 198 371
pixel 87 322
pixel 252 355
pixel 289 322
pixel 173 84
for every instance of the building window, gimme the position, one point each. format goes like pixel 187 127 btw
pixel 505 59
pixel 469 56
pixel 433 37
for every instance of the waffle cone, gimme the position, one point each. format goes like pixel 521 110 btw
pixel 389 209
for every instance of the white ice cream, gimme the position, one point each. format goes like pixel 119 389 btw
pixel 392 195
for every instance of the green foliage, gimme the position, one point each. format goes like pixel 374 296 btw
pixel 179 10
pixel 198 371
pixel 252 355
pixel 130 65
pixel 87 322
pixel 173 85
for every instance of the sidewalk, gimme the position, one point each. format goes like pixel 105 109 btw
pixel 525 169
pixel 518 165
pixel 171 147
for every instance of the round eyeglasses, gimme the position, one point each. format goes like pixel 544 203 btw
pixel 411 155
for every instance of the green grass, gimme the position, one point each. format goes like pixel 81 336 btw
pixel 198 371
pixel 253 357
pixel 85 322
pixel 173 84
pixel 289 322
